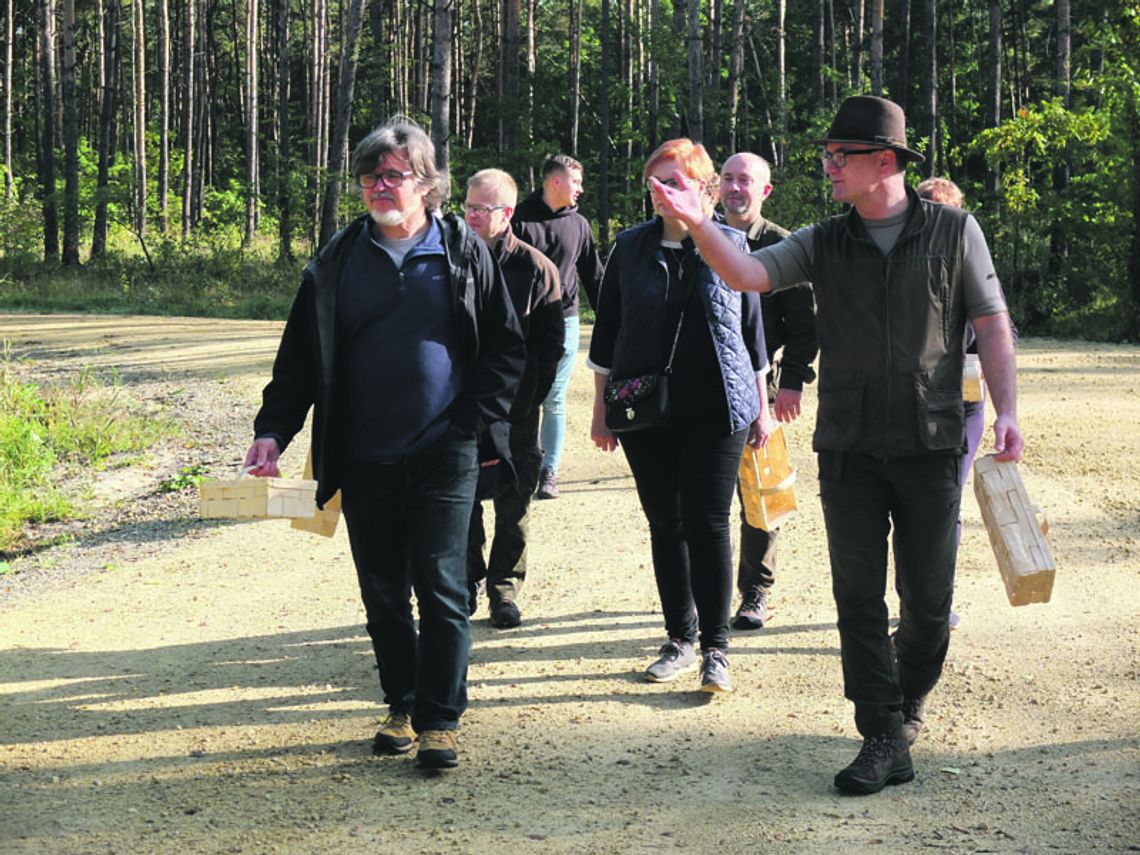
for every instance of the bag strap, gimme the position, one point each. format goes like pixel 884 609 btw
pixel 687 282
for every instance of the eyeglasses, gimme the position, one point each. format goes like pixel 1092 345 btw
pixel 390 178
pixel 838 159
pixel 484 210
pixel 668 182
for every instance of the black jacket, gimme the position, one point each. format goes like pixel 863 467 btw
pixel 305 371
pixel 532 282
pixel 565 238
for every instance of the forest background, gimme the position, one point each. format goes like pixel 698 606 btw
pixel 184 156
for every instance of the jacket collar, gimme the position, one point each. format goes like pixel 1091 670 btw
pixel 915 220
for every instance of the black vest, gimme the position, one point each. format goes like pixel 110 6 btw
pixel 891 332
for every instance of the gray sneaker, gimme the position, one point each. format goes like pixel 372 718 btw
pixel 677 657
pixel 547 484
pixel 714 672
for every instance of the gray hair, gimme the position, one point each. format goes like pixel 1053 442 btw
pixel 403 136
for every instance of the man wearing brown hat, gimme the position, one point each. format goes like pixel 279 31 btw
pixel 895 280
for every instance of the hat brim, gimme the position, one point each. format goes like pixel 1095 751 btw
pixel 909 154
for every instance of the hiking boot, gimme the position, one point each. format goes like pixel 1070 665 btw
pixel 677 657
pixel 395 735
pixel 547 484
pixel 505 615
pixel 912 709
pixel 884 759
pixel 438 750
pixel 753 612
pixel 714 672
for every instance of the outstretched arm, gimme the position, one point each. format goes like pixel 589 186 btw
pixel 740 271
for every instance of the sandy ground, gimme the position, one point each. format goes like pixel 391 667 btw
pixel 186 686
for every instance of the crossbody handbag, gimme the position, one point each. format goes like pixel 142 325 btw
pixel 636 403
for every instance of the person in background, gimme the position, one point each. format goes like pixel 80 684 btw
pixel 403 342
pixel 789 329
pixel 659 297
pixel 895 280
pixel 532 282
pixel 946 192
pixel 548 219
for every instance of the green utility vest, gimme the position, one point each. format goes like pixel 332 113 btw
pixel 891 335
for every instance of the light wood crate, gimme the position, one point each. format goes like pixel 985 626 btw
pixel 973 383
pixel 257 498
pixel 767 483
pixel 324 520
pixel 1016 534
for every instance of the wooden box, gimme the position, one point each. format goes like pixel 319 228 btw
pixel 244 498
pixel 973 383
pixel 767 483
pixel 1016 534
pixel 324 520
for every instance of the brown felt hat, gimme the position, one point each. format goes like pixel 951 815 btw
pixel 867 120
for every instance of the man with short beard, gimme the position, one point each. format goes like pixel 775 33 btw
pixel 403 341
pixel 789 328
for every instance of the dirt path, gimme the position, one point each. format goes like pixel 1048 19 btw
pixel 170 685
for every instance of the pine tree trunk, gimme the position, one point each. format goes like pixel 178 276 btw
pixel 575 71
pixel 9 183
pixel 877 47
pixel 48 129
pixel 346 81
pixel 819 26
pixel 509 79
pixel 107 108
pixel 993 95
pixel 70 139
pixel 857 48
pixel 476 64
pixel 930 87
pixel 162 31
pixel 284 199
pixel 138 70
pixel 253 171
pixel 735 74
pixel 441 80
pixel 189 98
pixel 900 95
pixel 782 79
pixel 696 111
pixel 604 130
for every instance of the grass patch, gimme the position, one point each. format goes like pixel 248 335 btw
pixel 51 429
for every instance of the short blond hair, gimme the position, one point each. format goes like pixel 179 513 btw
pixel 941 190
pixel 499 182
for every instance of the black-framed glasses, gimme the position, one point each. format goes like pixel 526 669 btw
pixel 483 210
pixel 838 159
pixel 390 178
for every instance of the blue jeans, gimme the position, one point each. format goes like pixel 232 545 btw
pixel 553 432
pixel 407 526
pixel 913 501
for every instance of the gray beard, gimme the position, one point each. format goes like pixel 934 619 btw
pixel 388 218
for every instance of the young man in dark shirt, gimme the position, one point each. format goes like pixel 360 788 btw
pixel 548 219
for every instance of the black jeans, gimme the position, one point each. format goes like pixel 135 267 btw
pixel 757 568
pixel 505 569
pixel 685 475
pixel 863 500
pixel 407 525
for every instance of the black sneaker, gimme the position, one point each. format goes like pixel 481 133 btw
pixel 505 615
pixel 547 484
pixel 884 759
pixel 753 612
pixel 912 710
pixel 677 657
pixel 714 672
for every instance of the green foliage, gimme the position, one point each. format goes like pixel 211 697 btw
pixel 81 423
pixel 188 476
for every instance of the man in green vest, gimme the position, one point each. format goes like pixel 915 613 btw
pixel 895 280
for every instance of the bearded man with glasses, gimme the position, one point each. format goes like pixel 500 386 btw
pixel 403 341
pixel 895 280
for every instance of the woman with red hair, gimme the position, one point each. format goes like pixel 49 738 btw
pixel 661 309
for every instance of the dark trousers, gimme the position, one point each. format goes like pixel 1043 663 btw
pixel 756 570
pixel 407 525
pixel 505 569
pixel 685 476
pixel 915 500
